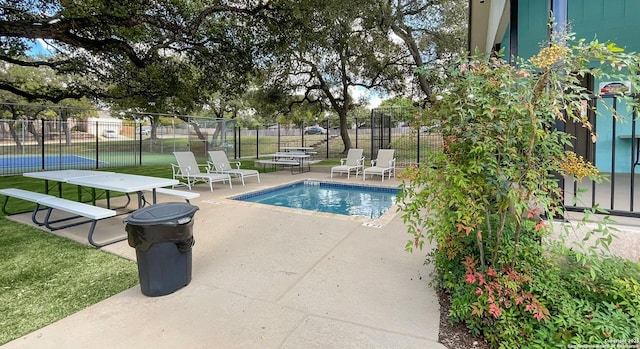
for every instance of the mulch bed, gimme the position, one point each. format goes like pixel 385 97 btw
pixel 456 336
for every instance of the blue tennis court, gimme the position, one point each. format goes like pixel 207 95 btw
pixel 35 161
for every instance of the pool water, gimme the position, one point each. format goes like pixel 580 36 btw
pixel 344 199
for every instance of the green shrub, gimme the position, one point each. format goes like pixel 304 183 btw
pixel 483 201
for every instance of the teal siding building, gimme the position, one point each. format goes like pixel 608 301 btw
pixel 520 27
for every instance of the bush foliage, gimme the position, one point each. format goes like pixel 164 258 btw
pixel 484 201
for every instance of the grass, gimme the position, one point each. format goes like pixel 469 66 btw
pixel 44 277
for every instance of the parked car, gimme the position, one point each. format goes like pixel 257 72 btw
pixel 429 129
pixel 109 134
pixel 144 131
pixel 315 130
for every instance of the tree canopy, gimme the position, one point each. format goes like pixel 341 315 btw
pixel 123 48
pixel 181 56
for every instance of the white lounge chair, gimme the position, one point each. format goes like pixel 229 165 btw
pixel 188 169
pixel 384 164
pixel 220 164
pixel 353 162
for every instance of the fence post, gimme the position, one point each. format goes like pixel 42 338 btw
pixel 613 157
pixel 257 141
pixel 633 156
pixel 327 137
pixel 236 142
pixel 140 142
pixel 97 150
pixel 42 138
pixel 418 164
pixel 58 131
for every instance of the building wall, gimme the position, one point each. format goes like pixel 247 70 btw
pixel 532 26
pixel 605 20
pixel 617 21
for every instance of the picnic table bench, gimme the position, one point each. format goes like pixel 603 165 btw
pixel 186 195
pixel 278 162
pixel 292 158
pixel 48 203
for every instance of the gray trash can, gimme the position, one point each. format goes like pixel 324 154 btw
pixel 162 235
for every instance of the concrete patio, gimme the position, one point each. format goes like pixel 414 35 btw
pixel 267 277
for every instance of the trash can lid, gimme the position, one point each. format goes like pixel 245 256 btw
pixel 161 213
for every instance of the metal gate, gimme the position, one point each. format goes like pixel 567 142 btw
pixel 380 130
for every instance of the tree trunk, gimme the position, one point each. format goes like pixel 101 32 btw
pixel 403 34
pixel 34 131
pixel 199 133
pixel 344 130
pixel 64 125
pixel 14 135
pixel 216 138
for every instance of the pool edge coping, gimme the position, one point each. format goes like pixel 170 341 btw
pixel 379 222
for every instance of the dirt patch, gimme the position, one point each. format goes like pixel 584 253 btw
pixel 456 336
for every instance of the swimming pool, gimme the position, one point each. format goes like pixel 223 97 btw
pixel 344 199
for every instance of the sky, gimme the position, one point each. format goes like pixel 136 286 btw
pixel 38 47
pixel 374 99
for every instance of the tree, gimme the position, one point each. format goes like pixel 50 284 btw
pixel 328 48
pixel 147 57
pixel 19 110
pixel 124 48
pixel 433 32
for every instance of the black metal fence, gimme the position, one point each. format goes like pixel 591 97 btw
pixel 616 153
pixel 412 147
pixel 29 143
pixel 52 144
pixel 32 143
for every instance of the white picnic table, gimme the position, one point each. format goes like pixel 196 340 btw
pixel 108 181
pixel 62 176
pixel 288 159
pixel 124 183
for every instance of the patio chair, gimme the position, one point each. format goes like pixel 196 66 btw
pixel 384 164
pixel 220 164
pixel 188 169
pixel 353 162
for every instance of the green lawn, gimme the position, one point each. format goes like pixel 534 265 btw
pixel 44 278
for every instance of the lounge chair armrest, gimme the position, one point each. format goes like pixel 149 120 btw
pixel 343 161
pixel 373 162
pixel 213 167
pixel 238 164
pixel 177 169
